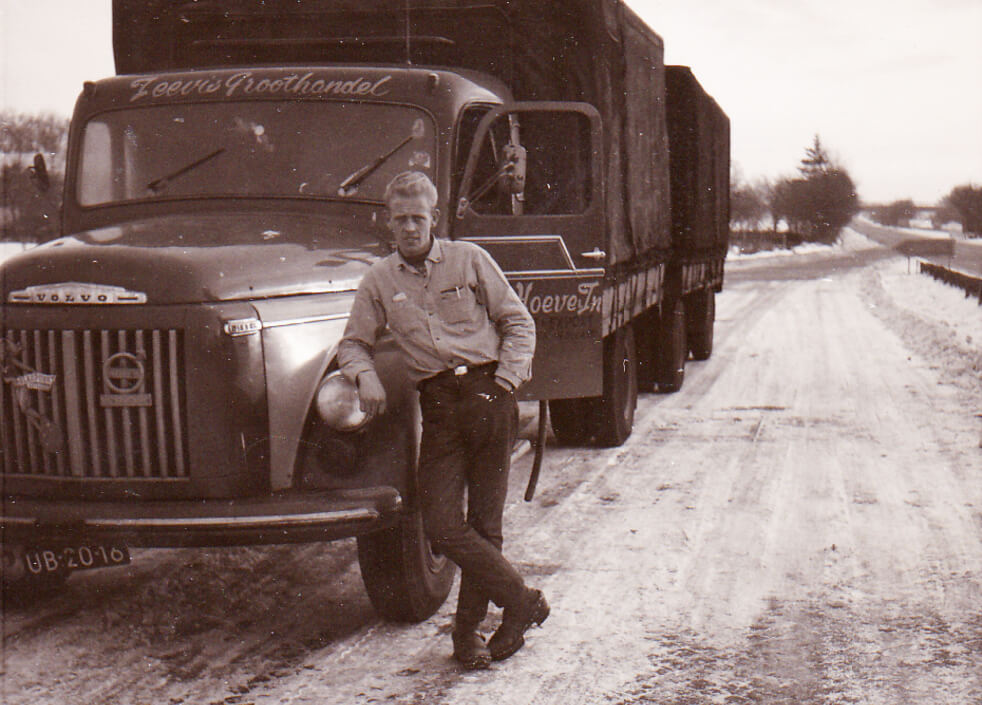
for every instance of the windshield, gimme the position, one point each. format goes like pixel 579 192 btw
pixel 253 149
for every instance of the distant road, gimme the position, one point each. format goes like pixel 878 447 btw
pixel 933 245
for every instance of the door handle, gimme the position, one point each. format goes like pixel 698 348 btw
pixel 595 253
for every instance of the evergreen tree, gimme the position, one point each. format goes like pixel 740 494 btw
pixel 816 160
pixel 819 203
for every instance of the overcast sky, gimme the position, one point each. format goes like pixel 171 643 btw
pixel 893 87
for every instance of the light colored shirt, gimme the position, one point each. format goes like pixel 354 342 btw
pixel 459 311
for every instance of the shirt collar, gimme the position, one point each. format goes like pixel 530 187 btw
pixel 435 255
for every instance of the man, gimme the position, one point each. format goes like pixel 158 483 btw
pixel 468 342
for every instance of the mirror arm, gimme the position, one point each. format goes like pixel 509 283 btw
pixel 464 203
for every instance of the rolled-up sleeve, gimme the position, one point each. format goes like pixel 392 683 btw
pixel 365 324
pixel 511 319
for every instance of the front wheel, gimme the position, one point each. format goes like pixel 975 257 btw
pixel 405 580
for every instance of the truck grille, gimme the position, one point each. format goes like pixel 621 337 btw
pixel 93 404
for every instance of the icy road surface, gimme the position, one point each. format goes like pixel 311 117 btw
pixel 801 524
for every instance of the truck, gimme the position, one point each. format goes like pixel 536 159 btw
pixel 169 360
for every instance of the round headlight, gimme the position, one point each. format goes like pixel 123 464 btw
pixel 338 403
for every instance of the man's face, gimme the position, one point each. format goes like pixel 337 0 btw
pixel 410 219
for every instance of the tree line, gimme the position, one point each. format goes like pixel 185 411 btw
pixel 963 205
pixel 811 206
pixel 821 199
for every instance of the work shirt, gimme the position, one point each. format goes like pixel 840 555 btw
pixel 459 311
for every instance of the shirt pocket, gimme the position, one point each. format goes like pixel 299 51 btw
pixel 457 305
pixel 405 318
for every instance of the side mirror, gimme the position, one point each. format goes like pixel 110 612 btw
pixel 39 173
pixel 515 163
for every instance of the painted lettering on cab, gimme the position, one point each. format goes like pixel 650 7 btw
pixel 246 83
pixel 582 302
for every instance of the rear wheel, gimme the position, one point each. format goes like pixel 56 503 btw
pixel 701 317
pixel 405 580
pixel 572 420
pixel 646 331
pixel 673 348
pixel 608 419
pixel 620 397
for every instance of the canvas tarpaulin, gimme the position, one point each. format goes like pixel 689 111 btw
pixel 699 134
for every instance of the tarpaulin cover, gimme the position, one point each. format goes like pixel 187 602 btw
pixel 699 136
pixel 596 51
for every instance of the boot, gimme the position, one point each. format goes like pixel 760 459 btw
pixel 470 650
pixel 510 636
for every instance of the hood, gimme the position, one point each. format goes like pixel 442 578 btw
pixel 206 258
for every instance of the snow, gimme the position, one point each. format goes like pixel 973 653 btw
pixel 9 249
pixel 947 232
pixel 925 298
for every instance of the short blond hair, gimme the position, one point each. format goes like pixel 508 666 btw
pixel 409 184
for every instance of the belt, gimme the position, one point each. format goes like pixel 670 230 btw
pixel 458 372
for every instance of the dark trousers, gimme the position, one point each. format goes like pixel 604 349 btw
pixel 469 426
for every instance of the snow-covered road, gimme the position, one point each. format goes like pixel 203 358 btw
pixel 802 523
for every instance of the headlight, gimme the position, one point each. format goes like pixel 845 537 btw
pixel 338 404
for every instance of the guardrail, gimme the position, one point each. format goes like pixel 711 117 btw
pixel 971 285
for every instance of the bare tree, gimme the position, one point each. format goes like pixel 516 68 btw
pixel 22 133
pixel 29 214
pixel 896 213
pixel 967 201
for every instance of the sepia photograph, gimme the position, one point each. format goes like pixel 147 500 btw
pixel 490 352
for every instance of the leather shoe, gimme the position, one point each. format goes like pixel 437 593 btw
pixel 510 636
pixel 470 650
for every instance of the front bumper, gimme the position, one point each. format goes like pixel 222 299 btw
pixel 281 518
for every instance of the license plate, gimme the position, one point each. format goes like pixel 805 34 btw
pixel 57 560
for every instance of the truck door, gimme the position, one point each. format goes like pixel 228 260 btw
pixel 532 195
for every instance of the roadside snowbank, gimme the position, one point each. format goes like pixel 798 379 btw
pixel 936 320
pixel 849 241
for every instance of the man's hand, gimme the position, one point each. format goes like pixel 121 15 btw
pixel 504 384
pixel 371 393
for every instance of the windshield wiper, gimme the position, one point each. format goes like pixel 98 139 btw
pixel 158 185
pixel 350 185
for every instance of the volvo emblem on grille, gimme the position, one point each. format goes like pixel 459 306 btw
pixel 76 293
pixel 124 381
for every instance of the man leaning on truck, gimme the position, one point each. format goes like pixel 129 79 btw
pixel 468 341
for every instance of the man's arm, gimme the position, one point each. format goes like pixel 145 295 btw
pixel 357 347
pixel 513 321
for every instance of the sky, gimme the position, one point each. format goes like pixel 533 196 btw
pixel 892 87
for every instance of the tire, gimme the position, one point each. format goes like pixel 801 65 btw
pixel 701 318
pixel 605 420
pixel 673 349
pixel 405 580
pixel 572 420
pixel 620 398
pixel 646 332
